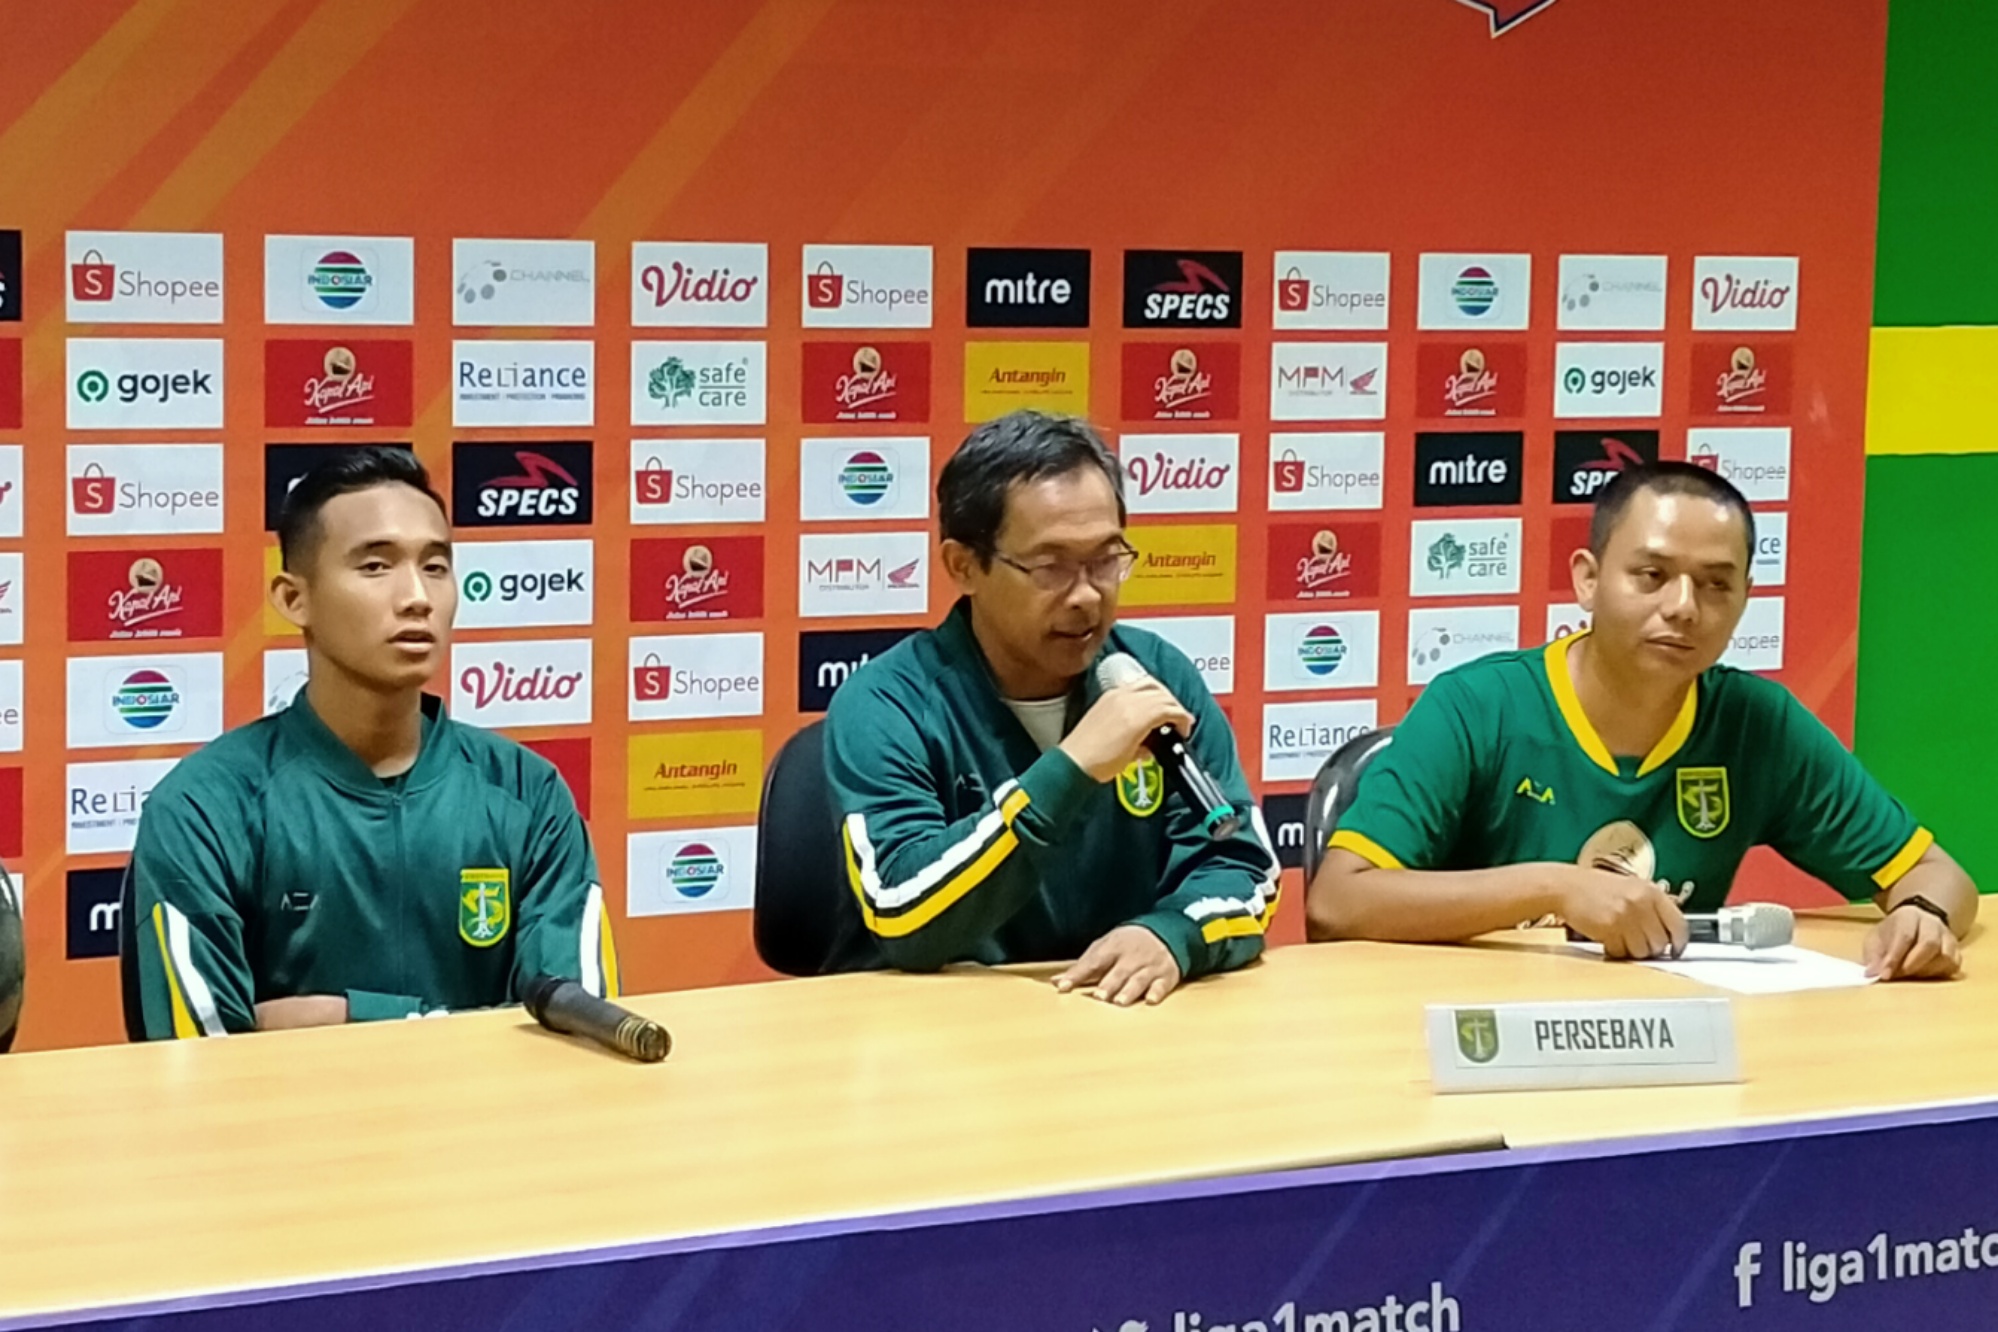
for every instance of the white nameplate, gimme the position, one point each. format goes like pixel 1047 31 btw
pixel 1598 1043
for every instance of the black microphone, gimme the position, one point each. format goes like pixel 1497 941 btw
pixel 1217 817
pixel 564 1006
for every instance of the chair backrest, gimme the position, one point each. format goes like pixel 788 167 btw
pixel 806 920
pixel 1332 792
pixel 13 960
pixel 128 961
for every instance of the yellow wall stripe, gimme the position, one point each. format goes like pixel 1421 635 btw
pixel 1928 390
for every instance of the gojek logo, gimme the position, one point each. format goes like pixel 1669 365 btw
pixel 694 871
pixel 478 585
pixel 1321 650
pixel 93 386
pixel 866 477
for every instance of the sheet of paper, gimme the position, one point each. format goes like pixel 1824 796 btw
pixel 1767 971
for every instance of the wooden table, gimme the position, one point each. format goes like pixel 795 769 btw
pixel 135 1173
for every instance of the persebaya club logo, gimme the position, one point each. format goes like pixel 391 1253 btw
pixel 339 280
pixel 485 906
pixel 1478 1034
pixel 1574 380
pixel 93 386
pixel 694 871
pixel 478 585
pixel 1704 807
pixel 670 383
pixel 1475 290
pixel 865 477
pixel 1141 787
pixel 1446 555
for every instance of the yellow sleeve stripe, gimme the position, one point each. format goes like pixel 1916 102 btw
pixel 945 897
pixel 1904 860
pixel 607 960
pixel 183 1020
pixel 1365 847
pixel 1231 927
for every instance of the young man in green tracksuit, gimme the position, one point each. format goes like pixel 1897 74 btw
pixel 997 803
pixel 1617 777
pixel 360 855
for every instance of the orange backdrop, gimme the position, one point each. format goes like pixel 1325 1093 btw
pixel 1699 127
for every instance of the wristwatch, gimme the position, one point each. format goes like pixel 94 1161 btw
pixel 1921 903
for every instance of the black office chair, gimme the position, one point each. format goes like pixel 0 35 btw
pixel 13 960
pixel 128 962
pixel 806 920
pixel 1332 792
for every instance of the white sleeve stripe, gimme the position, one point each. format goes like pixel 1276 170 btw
pixel 192 983
pixel 960 853
pixel 590 960
pixel 1266 888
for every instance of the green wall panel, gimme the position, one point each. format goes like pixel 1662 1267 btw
pixel 1927 722
pixel 1938 255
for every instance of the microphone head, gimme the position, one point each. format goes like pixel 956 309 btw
pixel 1120 668
pixel 1763 925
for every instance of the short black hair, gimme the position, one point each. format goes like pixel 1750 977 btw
pixel 361 468
pixel 1018 447
pixel 1669 477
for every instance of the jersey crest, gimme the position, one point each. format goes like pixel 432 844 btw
pixel 485 906
pixel 1704 807
pixel 1141 787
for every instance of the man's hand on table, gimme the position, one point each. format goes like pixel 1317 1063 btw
pixel 303 1010
pixel 1910 944
pixel 1128 964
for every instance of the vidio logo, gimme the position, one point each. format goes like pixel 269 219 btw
pixel 93 386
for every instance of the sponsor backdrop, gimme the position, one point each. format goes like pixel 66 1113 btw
pixel 684 308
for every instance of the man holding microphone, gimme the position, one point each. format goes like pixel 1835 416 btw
pixel 999 803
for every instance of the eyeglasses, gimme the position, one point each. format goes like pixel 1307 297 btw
pixel 1104 571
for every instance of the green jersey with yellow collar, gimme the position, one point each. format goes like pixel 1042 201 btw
pixel 274 863
pixel 1496 764
pixel 966 841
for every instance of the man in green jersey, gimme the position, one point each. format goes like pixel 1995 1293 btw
pixel 1615 778
pixel 998 804
pixel 360 855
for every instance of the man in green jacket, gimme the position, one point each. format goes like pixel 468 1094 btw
pixel 360 855
pixel 998 804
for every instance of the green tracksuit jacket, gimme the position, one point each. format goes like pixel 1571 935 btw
pixel 273 863
pixel 965 842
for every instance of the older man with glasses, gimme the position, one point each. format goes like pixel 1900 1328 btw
pixel 998 803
